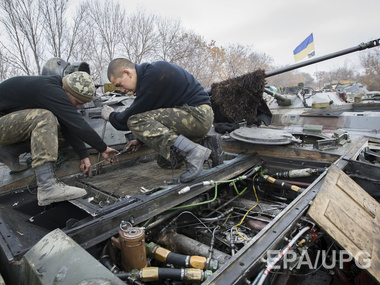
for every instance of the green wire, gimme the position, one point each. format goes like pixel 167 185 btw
pixel 200 203
pixel 216 194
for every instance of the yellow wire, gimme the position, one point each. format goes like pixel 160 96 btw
pixel 257 202
pixel 229 215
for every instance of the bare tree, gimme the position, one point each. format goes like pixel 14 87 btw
pixel 139 36
pixel 259 61
pixel 290 79
pixel 188 50
pixel 207 63
pixel 214 63
pixel 236 58
pixel 169 33
pixel 61 30
pixel 241 59
pixel 22 21
pixel 323 78
pixel 194 58
pixel 98 31
pixel 343 73
pixel 107 20
pixel 93 52
pixel 53 12
pixel 5 68
pixel 79 37
pixel 175 44
pixel 283 80
pixel 98 38
pixel 371 63
pixel 185 47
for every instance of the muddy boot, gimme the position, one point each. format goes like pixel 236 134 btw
pixel 194 155
pixel 9 155
pixel 49 190
pixel 214 142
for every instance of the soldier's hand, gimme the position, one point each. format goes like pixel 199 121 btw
pixel 109 153
pixel 85 166
pixel 135 144
pixel 106 112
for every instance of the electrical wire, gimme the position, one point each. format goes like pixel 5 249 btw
pixel 319 267
pixel 256 170
pixel 186 212
pixel 273 262
pixel 242 220
pixel 229 215
pixel 200 203
pixel 232 181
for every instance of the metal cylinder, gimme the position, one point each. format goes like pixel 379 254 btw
pixel 258 225
pixel 187 245
pixel 132 243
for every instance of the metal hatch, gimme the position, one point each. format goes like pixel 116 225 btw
pixel 351 217
pixel 263 136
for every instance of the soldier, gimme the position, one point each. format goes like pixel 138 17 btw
pixel 30 107
pixel 171 111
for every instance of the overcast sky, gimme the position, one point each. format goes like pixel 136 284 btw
pixel 277 27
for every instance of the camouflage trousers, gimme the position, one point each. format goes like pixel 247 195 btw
pixel 37 125
pixel 160 128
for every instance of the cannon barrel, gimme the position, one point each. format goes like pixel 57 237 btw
pixel 282 100
pixel 362 46
pixel 228 94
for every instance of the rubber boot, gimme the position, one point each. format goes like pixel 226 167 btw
pixel 49 190
pixel 214 142
pixel 176 161
pixel 194 155
pixel 9 155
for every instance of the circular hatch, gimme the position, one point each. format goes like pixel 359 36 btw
pixel 256 135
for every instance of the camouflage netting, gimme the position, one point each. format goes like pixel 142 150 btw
pixel 237 99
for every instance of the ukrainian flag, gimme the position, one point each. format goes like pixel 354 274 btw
pixel 306 48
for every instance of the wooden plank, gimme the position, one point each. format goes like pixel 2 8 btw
pixel 339 218
pixel 351 217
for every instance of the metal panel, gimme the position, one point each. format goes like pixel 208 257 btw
pixel 57 259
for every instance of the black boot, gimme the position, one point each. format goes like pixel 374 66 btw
pixel 49 190
pixel 194 155
pixel 214 142
pixel 9 155
pixel 176 162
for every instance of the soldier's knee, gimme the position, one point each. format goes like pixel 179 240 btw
pixel 133 121
pixel 46 115
pixel 46 119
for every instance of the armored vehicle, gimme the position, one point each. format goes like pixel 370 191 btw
pixel 286 206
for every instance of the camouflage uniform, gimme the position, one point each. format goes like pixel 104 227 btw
pixel 37 125
pixel 161 127
pixel 38 93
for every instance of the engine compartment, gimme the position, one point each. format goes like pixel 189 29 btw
pixel 243 222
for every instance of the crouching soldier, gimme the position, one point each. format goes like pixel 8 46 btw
pixel 30 107
pixel 171 112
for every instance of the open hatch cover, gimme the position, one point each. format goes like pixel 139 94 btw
pixel 351 217
pixel 263 136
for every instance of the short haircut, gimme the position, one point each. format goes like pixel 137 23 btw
pixel 116 67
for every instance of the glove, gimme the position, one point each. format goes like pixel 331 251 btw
pixel 106 111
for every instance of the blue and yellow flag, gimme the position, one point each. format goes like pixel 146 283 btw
pixel 306 48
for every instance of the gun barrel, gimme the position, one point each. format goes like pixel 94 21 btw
pixel 281 99
pixel 362 46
